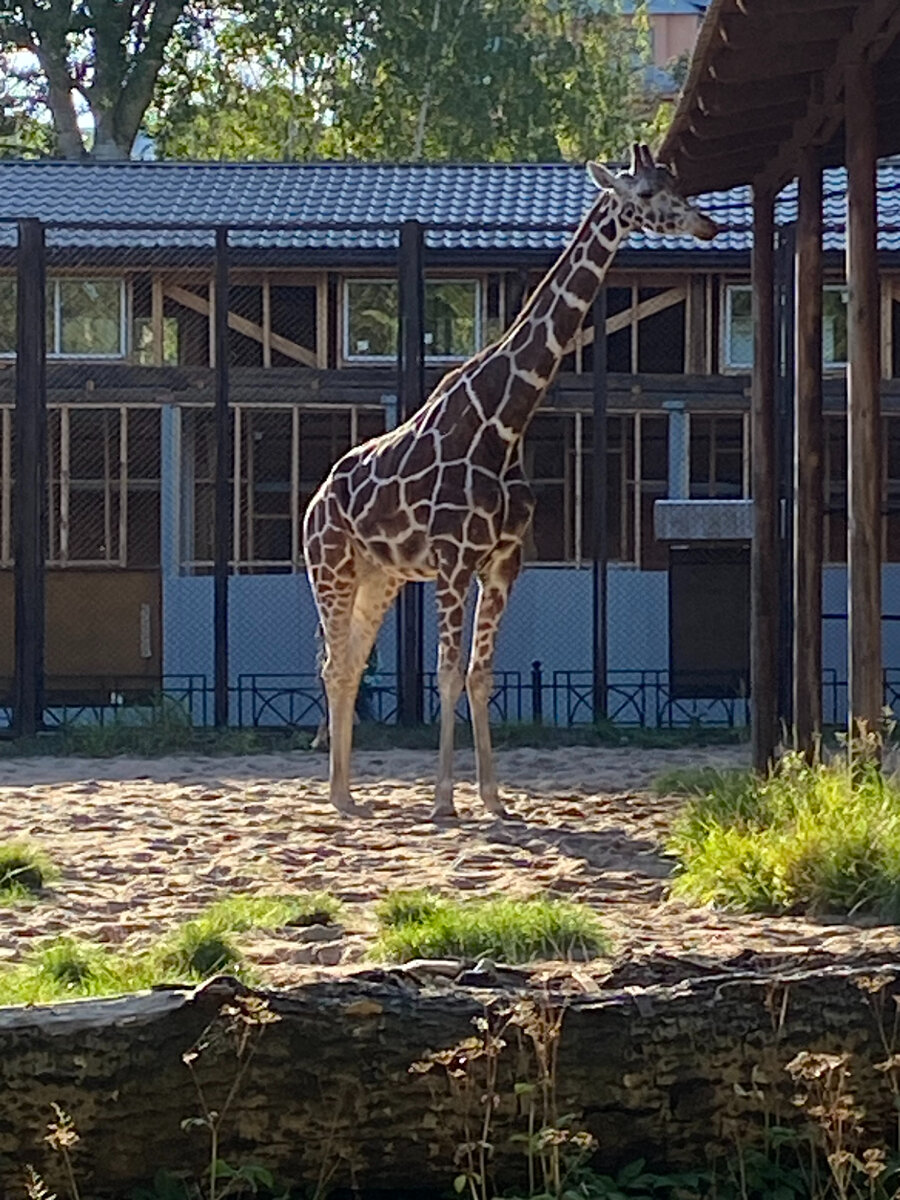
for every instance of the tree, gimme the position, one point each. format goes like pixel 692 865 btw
pixel 98 56
pixel 410 79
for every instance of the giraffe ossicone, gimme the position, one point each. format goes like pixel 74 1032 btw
pixel 444 496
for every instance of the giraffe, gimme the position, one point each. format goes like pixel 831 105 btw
pixel 444 497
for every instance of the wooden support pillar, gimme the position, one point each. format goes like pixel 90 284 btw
pixel 809 447
pixel 600 533
pixel 863 407
pixel 30 459
pixel 223 484
pixel 764 556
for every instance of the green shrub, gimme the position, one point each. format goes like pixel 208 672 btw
pixel 808 838
pixel 423 925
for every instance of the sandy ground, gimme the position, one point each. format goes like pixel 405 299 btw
pixel 144 844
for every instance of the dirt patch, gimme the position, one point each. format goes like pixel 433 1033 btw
pixel 142 845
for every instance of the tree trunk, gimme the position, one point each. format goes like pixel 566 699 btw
pixel 665 1073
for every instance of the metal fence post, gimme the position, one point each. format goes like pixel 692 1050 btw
pixel 411 393
pixel 599 515
pixel 537 693
pixel 30 439
pixel 223 485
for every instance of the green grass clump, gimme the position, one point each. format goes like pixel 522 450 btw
pixel 66 967
pixel 239 913
pixel 23 872
pixel 811 839
pixel 424 925
pixel 699 781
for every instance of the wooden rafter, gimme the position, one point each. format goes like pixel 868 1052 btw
pixel 242 325
pixel 876 26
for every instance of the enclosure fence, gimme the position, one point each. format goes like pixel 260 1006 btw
pixel 171 396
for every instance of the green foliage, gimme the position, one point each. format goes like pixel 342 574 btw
pixel 23 871
pixel 466 80
pixel 421 925
pixel 808 838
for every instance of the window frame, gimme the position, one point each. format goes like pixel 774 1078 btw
pixel 362 359
pixel 726 367
pixel 123 322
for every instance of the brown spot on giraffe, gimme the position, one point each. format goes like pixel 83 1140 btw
pixel 465 504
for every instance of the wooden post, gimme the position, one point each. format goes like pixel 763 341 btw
pixel 223 484
pixel 600 539
pixel 784 454
pixel 863 408
pixel 764 557
pixel 411 393
pixel 30 462
pixel 809 444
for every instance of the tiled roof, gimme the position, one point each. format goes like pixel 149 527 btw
pixel 490 206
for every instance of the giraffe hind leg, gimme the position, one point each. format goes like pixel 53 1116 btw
pixel 451 600
pixel 494 587
pixel 349 636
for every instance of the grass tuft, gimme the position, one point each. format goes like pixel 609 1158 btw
pixel 23 871
pixel 239 913
pixel 812 839
pixel 423 925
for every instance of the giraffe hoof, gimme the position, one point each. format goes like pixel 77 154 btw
pixel 499 813
pixel 349 808
pixel 443 813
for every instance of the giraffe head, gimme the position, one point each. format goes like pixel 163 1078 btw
pixel 650 199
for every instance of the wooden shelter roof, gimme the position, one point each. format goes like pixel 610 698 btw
pixel 766 80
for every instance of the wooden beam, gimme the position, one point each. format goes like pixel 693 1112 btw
pixel 809 444
pixel 695 327
pixel 157 321
pixel 720 99
pixel 764 554
pixel 772 62
pixel 266 322
pixel 753 28
pixel 764 142
pixel 876 25
pixel 709 127
pixel 635 313
pixel 863 407
pixel 242 325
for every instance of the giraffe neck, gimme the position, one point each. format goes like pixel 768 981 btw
pixel 519 369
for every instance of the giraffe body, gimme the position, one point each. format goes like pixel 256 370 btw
pixel 444 496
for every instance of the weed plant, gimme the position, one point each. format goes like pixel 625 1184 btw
pixel 809 838
pixel 420 924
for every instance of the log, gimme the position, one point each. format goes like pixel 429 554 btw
pixel 657 1072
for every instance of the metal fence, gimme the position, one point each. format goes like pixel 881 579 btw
pixel 171 397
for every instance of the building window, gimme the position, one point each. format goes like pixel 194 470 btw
pixel 281 455
pixel 738 327
pixel 371 321
pixel 717 457
pixel 85 318
pixel 836 489
pixel 7 315
pixel 103 486
pixel 834 327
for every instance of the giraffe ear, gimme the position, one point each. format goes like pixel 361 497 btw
pixel 603 178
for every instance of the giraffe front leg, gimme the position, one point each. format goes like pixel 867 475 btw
pixel 451 612
pixel 493 592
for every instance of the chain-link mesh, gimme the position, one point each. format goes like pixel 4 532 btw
pixel 312 370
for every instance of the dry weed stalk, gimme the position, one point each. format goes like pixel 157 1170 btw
pixel 239 1024
pixel 473 1072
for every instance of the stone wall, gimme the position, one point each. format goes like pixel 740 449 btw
pixel 665 1073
